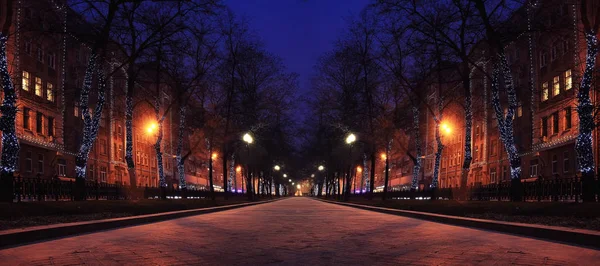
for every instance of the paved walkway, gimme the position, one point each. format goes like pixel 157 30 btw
pixel 297 231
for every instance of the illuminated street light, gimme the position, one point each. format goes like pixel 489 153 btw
pixel 313 175
pixel 238 169
pixel 321 167
pixel 350 138
pixel 446 128
pixel 248 138
pixel 215 155
pixel 298 186
pixel 293 183
pixel 284 175
pixel 383 156
pixel 152 127
pixel 276 167
pixel 359 169
pixel 289 180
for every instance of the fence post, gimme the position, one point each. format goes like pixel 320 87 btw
pixel 72 192
pixel 97 189
pixel 38 186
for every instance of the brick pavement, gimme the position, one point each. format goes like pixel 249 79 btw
pixel 298 231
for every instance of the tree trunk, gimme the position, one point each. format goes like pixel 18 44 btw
pixel 129 133
pixel 224 165
pixel 585 109
pixel 91 124
pixel 210 174
pixel 10 142
pixel 466 167
pixel 372 182
pixel 417 161
pixel 180 160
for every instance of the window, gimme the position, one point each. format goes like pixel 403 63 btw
pixel 493 148
pixel 493 176
pixel 26 82
pixel 50 126
pixel 533 168
pixel 27 46
pixel 555 86
pixel 504 172
pixel 137 157
pixel 545 91
pixel 40 164
pixel 62 167
pixel 568 118
pixel 103 146
pixel 40 54
pixel 568 80
pixel 119 130
pixel 554 164
pixel 543 58
pixel 103 174
pixel 555 123
pixel 566 164
pixel 544 126
pixel 565 46
pixel 554 53
pixel 51 60
pixel 38 86
pixel 28 162
pixel 120 151
pixel 26 118
pixel 520 109
pixel 49 92
pixel 91 172
pixel 39 123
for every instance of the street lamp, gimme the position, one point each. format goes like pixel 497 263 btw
pixel 289 180
pixel 248 139
pixel 277 168
pixel 350 138
pixel 446 128
pixel 151 127
pixel 284 175
pixel 321 168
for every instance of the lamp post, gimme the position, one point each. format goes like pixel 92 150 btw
pixel 277 168
pixel 250 185
pixel 350 139
pixel 387 172
pixel 446 130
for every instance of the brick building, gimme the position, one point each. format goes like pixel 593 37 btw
pixel 47 56
pixel 545 123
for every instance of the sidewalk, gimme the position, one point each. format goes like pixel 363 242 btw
pixel 22 236
pixel 567 235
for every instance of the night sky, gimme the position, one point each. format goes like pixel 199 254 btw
pixel 298 31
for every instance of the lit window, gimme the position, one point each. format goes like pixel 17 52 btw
pixel 520 110
pixel 49 92
pixel 38 86
pixel 545 91
pixel 493 175
pixel 556 86
pixel 568 80
pixel 26 83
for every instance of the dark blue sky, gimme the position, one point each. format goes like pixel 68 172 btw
pixel 298 31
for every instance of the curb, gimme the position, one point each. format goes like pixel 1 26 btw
pixel 580 237
pixel 16 237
